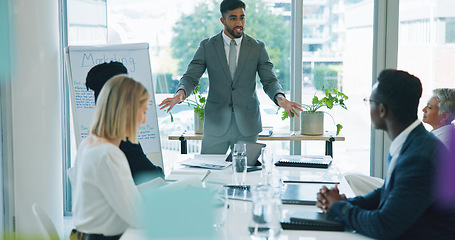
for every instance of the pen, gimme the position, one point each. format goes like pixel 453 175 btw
pixel 206 175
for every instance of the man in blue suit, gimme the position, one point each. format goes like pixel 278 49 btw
pixel 406 206
pixel 232 59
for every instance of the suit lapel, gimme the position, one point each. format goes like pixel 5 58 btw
pixel 219 48
pixel 407 143
pixel 243 56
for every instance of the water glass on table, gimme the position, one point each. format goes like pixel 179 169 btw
pixel 266 213
pixel 239 163
pixel 220 205
pixel 267 165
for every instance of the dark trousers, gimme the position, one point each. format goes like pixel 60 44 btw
pixel 76 235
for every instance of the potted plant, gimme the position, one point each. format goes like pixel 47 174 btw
pixel 312 120
pixel 198 104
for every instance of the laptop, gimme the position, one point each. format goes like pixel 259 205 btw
pixel 253 151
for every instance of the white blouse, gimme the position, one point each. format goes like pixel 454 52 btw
pixel 443 133
pixel 105 199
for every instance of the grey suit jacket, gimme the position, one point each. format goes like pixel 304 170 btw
pixel 227 95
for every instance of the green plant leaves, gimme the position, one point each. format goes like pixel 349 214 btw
pixel 200 112
pixel 285 114
pixel 332 98
pixel 339 127
pixel 198 103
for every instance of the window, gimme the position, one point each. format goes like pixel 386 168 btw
pixel 89 28
pixel 337 46
pixel 426 31
pixel 450 30
pixel 168 25
pixel 337 53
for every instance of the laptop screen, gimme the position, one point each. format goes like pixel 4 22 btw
pixel 253 151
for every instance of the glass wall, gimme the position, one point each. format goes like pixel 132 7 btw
pixel 427 44
pixel 87 25
pixel 337 52
pixel 174 29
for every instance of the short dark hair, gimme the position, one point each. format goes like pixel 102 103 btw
pixel 229 5
pixel 400 92
pixel 99 74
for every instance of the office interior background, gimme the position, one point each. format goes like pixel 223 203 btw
pixel 341 43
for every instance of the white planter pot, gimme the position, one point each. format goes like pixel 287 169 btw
pixel 198 125
pixel 312 123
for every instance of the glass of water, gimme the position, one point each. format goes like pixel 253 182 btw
pixel 220 205
pixel 266 213
pixel 267 165
pixel 239 163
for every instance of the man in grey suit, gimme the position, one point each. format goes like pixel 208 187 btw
pixel 232 59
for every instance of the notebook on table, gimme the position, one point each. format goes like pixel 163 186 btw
pixel 305 161
pixel 266 132
pixel 301 194
pixel 307 220
pixel 208 161
pixel 239 192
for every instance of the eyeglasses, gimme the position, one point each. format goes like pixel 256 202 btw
pixel 368 100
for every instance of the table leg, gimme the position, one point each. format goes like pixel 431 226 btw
pixel 329 147
pixel 183 145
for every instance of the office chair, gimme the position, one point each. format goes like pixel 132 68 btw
pixel 45 223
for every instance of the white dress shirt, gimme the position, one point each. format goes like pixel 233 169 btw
pixel 396 145
pixel 443 133
pixel 227 45
pixel 105 199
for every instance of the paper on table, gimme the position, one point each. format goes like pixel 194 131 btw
pixel 312 178
pixel 184 173
pixel 210 161
pixel 331 175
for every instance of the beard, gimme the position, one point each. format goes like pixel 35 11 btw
pixel 234 33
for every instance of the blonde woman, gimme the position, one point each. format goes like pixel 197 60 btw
pixel 105 199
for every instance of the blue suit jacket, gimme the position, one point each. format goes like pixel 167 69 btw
pixel 224 91
pixel 406 208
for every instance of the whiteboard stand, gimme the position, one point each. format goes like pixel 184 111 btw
pixel 135 57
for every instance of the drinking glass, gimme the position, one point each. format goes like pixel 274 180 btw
pixel 220 205
pixel 267 165
pixel 239 163
pixel 266 215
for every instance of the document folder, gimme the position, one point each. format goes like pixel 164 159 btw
pixel 305 161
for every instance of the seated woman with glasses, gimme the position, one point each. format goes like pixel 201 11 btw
pixel 439 114
pixel 105 199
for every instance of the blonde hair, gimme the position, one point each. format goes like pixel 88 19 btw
pixel 117 108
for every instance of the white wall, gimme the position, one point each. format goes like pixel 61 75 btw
pixel 36 113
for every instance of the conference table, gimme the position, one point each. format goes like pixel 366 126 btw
pixel 239 212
